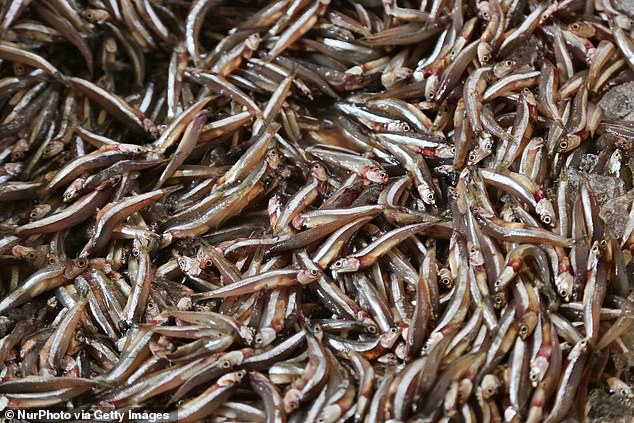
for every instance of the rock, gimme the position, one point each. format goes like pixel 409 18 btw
pixel 616 213
pixel 529 50
pixel 625 6
pixel 608 192
pixel 627 360
pixel 618 102
pixel 588 161
pixel 604 408
pixel 604 188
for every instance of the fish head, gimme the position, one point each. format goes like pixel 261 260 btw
pixel 346 265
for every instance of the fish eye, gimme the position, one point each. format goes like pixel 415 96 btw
pixel 624 392
pixel 472 157
pixel 313 272
pixel 338 263
pixel 429 196
pixel 406 127
pixel 393 330
pixel 575 26
pixel 595 249
pixel 33 214
pixel 509 63
pixel 258 340
pixel 150 306
pixel 226 364
pixel 547 220
pixel 498 283
pixel 523 330
pixel 317 329
pixel 382 175
pixel 51 260
pixel 372 329
pixel 485 58
pixel 81 263
pixel 209 263
pixel 31 254
pixel 452 150
pixel 563 145
pixel 603 243
pixel 241 374
pixel 431 96
pixel 485 15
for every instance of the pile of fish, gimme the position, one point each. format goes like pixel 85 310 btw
pixel 313 210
